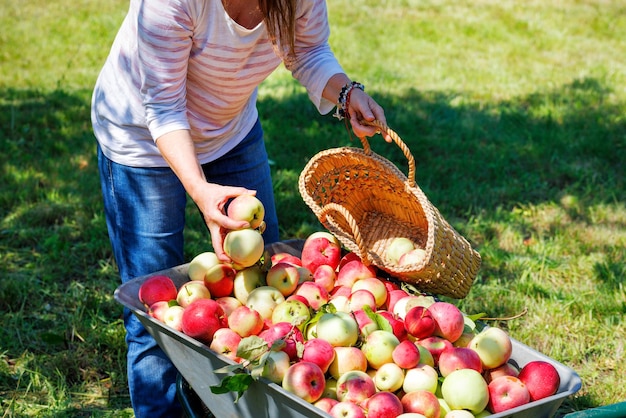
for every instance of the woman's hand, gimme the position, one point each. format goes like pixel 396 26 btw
pixel 211 201
pixel 363 108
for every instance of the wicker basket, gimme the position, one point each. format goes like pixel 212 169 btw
pixel 366 201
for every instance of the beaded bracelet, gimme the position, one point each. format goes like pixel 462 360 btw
pixel 344 99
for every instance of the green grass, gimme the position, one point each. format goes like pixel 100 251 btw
pixel 514 112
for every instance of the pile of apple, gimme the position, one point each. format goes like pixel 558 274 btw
pixel 338 334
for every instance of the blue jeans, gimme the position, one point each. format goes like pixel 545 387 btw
pixel 145 215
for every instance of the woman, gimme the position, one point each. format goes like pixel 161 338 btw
pixel 174 112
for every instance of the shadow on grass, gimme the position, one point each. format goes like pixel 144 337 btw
pixel 472 159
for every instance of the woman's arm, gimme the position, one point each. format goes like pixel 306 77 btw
pixel 178 150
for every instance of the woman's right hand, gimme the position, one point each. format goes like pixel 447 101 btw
pixel 212 201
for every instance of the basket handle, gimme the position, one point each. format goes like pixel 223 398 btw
pixel 358 239
pixel 396 138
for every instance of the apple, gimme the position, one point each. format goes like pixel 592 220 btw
pixel 406 355
pixel 341 303
pixel 507 369
pixel 325 276
pixel 411 415
pixel 436 346
pixel 461 413
pixel 330 391
pixel 219 279
pixel 454 390
pixel 276 366
pixel 493 346
pixel 507 392
pixel 173 317
pixel 246 281
pixel 366 324
pixel 284 277
pixel 464 339
pixel 323 234
pixel 397 247
pixel 315 294
pixel 456 358
pixel 299 298
pixel 293 311
pixel 393 296
pixel 419 322
pixel 349 256
pixel 353 271
pixel 200 264
pixel 361 298
pixel 317 251
pixel 244 247
pixel 397 325
pixel 389 377
pixel 325 404
pixel 246 207
pixel 225 341
pixel 285 258
pixel 347 359
pixel 375 286
pixel 421 377
pixel 228 304
pixel 291 336
pixel 355 386
pixel 245 321
pixel 340 329
pixel 202 318
pixel 404 305
pixel 449 320
pixel 320 352
pixel 425 356
pixel 340 291
pixel 421 402
pixel 264 300
pixel 347 410
pixel 157 309
pixel 415 257
pixel 541 378
pixel 191 291
pixel 383 405
pixel 378 348
pixel 305 380
pixel 157 288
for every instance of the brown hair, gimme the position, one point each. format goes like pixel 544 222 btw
pixel 280 19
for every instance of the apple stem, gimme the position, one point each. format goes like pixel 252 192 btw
pixel 506 318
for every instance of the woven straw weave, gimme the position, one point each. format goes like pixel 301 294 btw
pixel 366 201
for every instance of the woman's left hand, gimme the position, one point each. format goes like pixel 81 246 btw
pixel 363 108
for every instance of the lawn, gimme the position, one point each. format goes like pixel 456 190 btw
pixel 514 111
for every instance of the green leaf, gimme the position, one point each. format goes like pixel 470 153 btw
pixel 380 321
pixel 230 368
pixel 252 347
pixel 237 383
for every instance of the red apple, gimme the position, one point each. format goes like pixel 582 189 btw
pixel 289 333
pixel 366 324
pixel 353 271
pixel 507 369
pixel 315 294
pixel 349 256
pixel 507 392
pixel 449 320
pixel 320 352
pixel 393 296
pixel 325 276
pixel 361 298
pixel 245 321
pixel 347 359
pixel 220 280
pixel 157 288
pixel 407 355
pixel 318 251
pixel 456 358
pixel 285 258
pixel 375 286
pixel 202 318
pixel 397 325
pixel 305 380
pixel 157 309
pixel 383 405
pixel 436 346
pixel 228 303
pixel 225 342
pixel 541 378
pixel 419 322
pixel 421 402
pixel 284 277
pixel 355 386
pixel 347 409
pixel 325 404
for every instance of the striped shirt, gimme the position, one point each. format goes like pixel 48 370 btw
pixel 185 64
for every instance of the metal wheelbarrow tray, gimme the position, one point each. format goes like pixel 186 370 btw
pixel 196 362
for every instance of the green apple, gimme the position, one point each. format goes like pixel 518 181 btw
pixel 465 389
pixel 244 247
pixel 246 281
pixel 378 348
pixel 397 247
pixel 293 311
pixel 340 329
pixel 200 264
pixel 264 300
pixel 247 207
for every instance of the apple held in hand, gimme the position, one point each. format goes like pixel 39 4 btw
pixel 541 378
pixel 202 318
pixel 246 207
pixel 465 389
pixel 507 392
pixel 305 380
pixel 157 288
pixel 245 247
